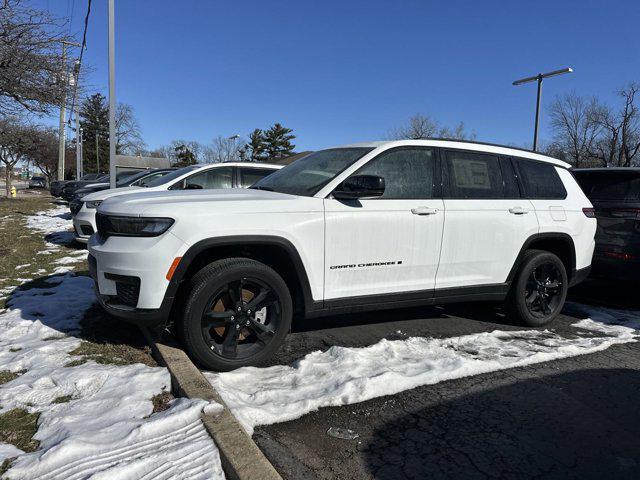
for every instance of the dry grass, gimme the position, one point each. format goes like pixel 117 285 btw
pixel 161 401
pixel 18 427
pixel 6 376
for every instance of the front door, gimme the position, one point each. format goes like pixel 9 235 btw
pixel 391 243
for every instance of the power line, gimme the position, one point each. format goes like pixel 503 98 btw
pixel 79 64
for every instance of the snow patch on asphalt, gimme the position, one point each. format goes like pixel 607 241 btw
pixel 342 376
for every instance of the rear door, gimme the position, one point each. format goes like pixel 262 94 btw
pixel 486 220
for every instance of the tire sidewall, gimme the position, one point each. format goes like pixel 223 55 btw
pixel 201 289
pixel 519 298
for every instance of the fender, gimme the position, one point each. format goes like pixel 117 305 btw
pixel 239 240
pixel 564 237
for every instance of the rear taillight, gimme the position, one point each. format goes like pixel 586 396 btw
pixel 618 255
pixel 589 212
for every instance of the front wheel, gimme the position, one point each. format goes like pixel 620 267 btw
pixel 539 290
pixel 237 313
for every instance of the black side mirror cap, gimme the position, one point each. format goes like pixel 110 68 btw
pixel 360 186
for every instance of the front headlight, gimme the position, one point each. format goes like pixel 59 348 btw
pixel 93 203
pixel 132 226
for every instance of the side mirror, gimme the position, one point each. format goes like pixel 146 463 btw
pixel 360 186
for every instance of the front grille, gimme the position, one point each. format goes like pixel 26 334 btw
pixel 127 289
pixel 75 206
pixel 102 223
pixel 86 229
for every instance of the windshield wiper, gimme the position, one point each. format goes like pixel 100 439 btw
pixel 266 189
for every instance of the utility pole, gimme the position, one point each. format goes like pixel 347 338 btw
pixel 78 146
pixel 112 96
pixel 97 154
pixel 62 130
pixel 538 78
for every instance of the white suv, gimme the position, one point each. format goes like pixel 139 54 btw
pixel 196 177
pixel 362 227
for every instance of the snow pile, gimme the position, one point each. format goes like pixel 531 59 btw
pixel 341 376
pixel 52 221
pixel 107 428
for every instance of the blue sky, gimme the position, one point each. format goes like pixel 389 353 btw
pixel 344 71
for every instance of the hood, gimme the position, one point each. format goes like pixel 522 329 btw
pixel 187 202
pixel 110 192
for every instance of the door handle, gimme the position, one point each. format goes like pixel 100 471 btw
pixel 518 211
pixel 424 211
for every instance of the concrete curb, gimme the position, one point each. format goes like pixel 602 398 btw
pixel 241 458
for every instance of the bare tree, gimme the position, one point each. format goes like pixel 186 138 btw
pixel 420 126
pixel 224 149
pixel 619 142
pixel 128 133
pixel 575 127
pixel 44 151
pixel 15 144
pixel 31 71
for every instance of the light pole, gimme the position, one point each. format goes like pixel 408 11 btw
pixel 112 96
pixel 62 131
pixel 538 78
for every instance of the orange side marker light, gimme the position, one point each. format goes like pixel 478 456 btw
pixel 172 268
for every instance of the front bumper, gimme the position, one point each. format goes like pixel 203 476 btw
pixel 118 262
pixel 84 224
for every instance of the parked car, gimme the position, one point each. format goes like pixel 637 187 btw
pixel 57 185
pixel 70 188
pixel 615 194
pixel 38 182
pixel 137 180
pixel 196 177
pixel 363 227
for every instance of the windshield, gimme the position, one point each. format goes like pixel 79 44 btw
pixel 171 176
pixel 308 175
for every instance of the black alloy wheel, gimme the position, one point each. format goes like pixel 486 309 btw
pixel 543 292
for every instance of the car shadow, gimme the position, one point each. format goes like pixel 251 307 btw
pixel 582 424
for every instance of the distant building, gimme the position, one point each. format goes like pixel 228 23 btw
pixel 130 162
pixel 289 159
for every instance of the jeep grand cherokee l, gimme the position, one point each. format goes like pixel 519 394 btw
pixel 362 227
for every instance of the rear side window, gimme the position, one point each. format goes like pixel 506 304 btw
pixel 407 172
pixel 474 175
pixel 541 180
pixel 609 186
pixel 249 176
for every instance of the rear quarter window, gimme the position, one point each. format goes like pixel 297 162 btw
pixel 541 180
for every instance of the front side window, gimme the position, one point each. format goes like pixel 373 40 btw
pixel 474 175
pixel 541 180
pixel 208 180
pixel 249 176
pixel 407 173
pixel 308 175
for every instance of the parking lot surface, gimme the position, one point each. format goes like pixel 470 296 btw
pixel 576 417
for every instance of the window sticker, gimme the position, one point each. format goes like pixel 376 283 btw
pixel 471 174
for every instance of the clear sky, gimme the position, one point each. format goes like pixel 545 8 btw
pixel 344 71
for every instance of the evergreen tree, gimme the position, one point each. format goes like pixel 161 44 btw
pixel 184 156
pixel 255 148
pixel 278 141
pixel 94 120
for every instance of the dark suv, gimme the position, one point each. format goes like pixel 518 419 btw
pixel 615 194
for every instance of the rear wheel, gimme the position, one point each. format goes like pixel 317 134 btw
pixel 237 313
pixel 539 290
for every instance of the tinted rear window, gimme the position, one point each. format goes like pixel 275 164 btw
pixel 541 180
pixel 607 186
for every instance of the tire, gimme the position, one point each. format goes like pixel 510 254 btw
pixel 226 289
pixel 530 289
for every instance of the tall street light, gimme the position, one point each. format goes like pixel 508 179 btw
pixel 112 96
pixel 539 78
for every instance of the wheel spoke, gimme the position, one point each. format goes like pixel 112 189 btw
pixel 216 319
pixel 230 342
pixel 261 331
pixel 235 291
pixel 264 296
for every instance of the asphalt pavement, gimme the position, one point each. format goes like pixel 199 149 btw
pixel 577 417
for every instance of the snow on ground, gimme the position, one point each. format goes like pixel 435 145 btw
pixel 342 376
pixel 104 428
pixel 107 429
